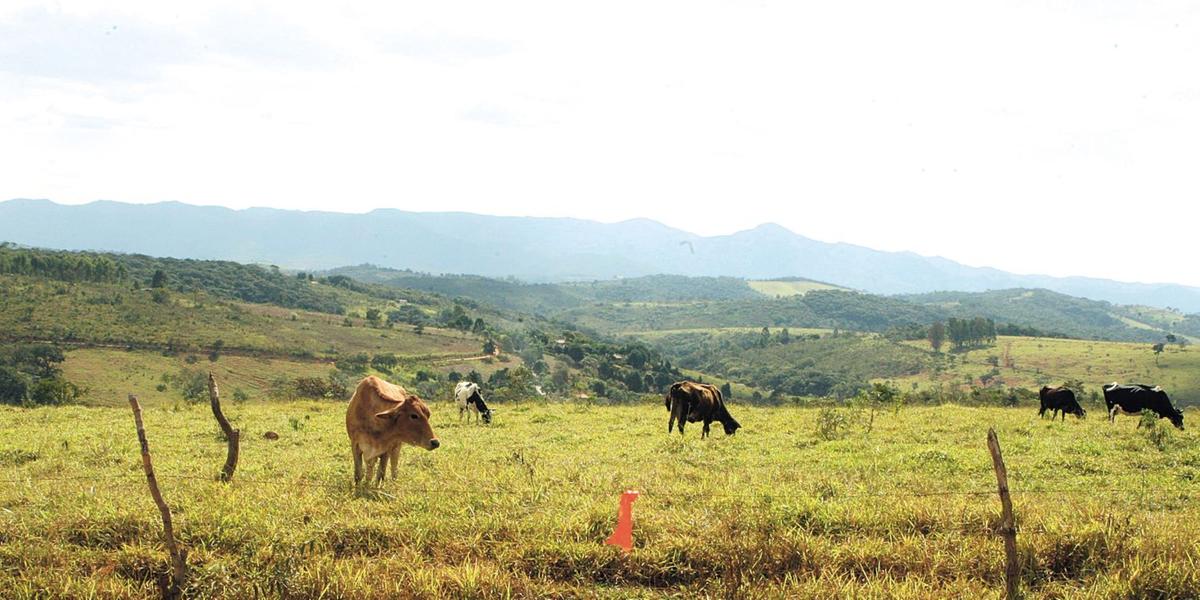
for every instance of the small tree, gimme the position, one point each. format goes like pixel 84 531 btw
pixel 877 397
pixel 727 390
pixel 40 360
pixel 560 377
pixel 1158 349
pixel 489 347
pixel 159 279
pixel 937 336
pixel 215 354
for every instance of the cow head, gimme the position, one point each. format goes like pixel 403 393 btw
pixel 408 421
pixel 1176 418
pixel 731 425
pixel 1078 411
pixel 672 392
pixel 485 413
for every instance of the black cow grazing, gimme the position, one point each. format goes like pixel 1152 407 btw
pixel 470 399
pixel 1133 399
pixel 1059 399
pixel 692 402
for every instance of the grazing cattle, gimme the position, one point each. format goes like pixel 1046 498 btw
pixel 380 418
pixel 692 402
pixel 470 399
pixel 1059 399
pixel 1133 399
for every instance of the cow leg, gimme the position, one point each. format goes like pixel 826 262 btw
pixel 358 463
pixel 680 409
pixel 1042 413
pixel 1112 415
pixel 394 459
pixel 383 460
pixel 671 421
pixel 704 433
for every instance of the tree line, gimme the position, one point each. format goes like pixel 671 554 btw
pixel 60 265
pixel 962 333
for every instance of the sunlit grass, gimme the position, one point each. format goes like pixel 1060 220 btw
pixel 521 508
pixel 1039 361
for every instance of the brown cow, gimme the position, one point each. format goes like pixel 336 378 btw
pixel 690 402
pixel 380 418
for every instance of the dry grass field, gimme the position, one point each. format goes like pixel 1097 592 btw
pixel 787 508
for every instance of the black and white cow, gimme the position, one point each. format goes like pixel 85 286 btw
pixel 470 399
pixel 1133 399
pixel 1059 399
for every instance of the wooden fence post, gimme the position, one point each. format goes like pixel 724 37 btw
pixel 178 555
pixel 232 436
pixel 1008 527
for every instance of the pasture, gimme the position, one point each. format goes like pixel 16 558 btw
pixel 521 508
pixel 112 315
pixel 108 373
pixel 1033 362
pixel 789 287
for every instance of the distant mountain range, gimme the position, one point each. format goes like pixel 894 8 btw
pixel 528 248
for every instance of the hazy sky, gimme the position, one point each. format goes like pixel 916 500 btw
pixel 1037 137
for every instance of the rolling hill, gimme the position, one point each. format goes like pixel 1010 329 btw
pixel 671 302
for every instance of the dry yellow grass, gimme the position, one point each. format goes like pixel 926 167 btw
pixel 520 509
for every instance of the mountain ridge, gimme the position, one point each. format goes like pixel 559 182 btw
pixel 536 249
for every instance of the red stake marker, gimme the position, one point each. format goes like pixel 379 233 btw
pixel 623 536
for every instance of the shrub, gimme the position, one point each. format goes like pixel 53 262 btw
pixel 192 384
pixel 55 391
pixel 832 424
pixel 356 363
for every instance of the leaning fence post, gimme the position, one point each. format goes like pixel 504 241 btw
pixel 1008 527
pixel 232 436
pixel 178 555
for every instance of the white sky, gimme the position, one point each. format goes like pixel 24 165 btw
pixel 1037 137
